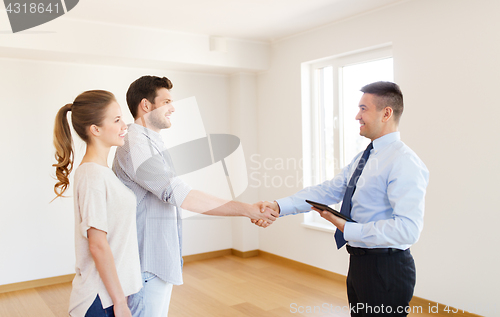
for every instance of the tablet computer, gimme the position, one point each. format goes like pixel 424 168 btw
pixel 321 206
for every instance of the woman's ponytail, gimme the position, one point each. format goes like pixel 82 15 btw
pixel 64 150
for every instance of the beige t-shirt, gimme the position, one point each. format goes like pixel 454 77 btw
pixel 103 202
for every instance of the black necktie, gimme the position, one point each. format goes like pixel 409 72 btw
pixel 347 201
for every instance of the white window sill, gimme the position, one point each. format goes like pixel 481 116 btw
pixel 319 226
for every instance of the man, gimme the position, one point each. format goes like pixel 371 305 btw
pixel 383 190
pixel 145 166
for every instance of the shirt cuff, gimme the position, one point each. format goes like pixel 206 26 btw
pixel 180 191
pixel 286 206
pixel 352 231
pixel 87 223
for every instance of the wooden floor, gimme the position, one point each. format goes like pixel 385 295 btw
pixel 225 286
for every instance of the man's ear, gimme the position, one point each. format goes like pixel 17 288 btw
pixel 145 105
pixel 388 112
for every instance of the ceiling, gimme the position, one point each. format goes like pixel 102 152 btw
pixel 260 20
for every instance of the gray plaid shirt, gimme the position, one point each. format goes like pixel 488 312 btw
pixel 144 166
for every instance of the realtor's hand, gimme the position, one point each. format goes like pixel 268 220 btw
pixel 337 221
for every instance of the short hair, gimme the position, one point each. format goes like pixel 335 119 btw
pixel 145 87
pixel 389 95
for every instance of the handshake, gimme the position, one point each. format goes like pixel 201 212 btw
pixel 264 213
pixel 270 211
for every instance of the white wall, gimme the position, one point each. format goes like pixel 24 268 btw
pixel 446 61
pixel 243 114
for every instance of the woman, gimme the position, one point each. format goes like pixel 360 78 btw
pixel 107 259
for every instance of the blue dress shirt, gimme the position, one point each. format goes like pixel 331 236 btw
pixel 388 204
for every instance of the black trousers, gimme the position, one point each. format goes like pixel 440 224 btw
pixel 381 284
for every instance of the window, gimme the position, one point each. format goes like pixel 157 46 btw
pixel 331 93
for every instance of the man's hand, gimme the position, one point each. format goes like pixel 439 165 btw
pixel 264 206
pixel 200 202
pixel 262 216
pixel 337 221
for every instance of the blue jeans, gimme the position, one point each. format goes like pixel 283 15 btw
pixel 153 299
pixel 96 310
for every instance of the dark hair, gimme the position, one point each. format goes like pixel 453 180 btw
pixel 145 87
pixel 88 108
pixel 389 95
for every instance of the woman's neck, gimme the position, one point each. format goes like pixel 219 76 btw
pixel 96 153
